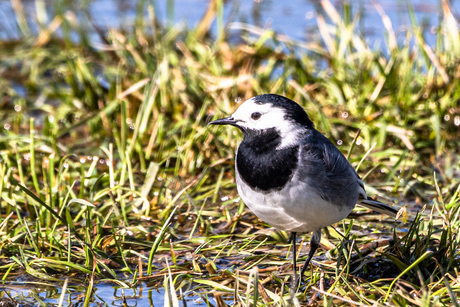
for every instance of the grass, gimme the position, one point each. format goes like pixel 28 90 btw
pixel 109 174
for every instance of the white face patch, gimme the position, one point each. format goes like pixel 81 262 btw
pixel 271 117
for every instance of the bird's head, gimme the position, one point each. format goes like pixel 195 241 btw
pixel 269 112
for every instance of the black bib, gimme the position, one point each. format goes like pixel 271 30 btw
pixel 261 165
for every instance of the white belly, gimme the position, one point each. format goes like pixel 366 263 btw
pixel 295 208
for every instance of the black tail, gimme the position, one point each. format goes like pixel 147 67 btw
pixel 377 206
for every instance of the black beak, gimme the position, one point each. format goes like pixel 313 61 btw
pixel 224 121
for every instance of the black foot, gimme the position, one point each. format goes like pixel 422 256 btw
pixel 314 243
pixel 294 264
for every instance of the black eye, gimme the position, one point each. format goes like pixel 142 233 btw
pixel 256 115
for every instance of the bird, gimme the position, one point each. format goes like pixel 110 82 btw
pixel 290 175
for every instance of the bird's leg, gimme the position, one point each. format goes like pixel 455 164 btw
pixel 314 243
pixel 291 237
pixel 294 274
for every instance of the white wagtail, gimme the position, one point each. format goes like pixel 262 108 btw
pixel 289 174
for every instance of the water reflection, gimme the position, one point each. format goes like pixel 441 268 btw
pixel 26 294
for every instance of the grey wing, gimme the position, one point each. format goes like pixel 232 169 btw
pixel 327 170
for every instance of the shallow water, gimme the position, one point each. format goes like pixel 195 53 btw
pixel 296 18
pixel 104 295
